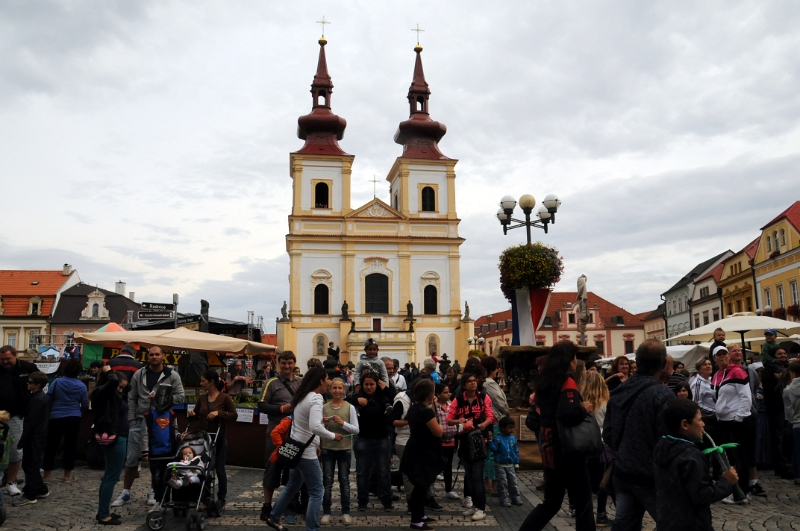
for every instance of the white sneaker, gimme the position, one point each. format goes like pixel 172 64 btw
pixel 346 520
pixel 13 490
pixel 151 497
pixel 467 501
pixel 469 512
pixel 479 515
pixel 325 520
pixel 121 500
pixel 440 477
pixel 452 496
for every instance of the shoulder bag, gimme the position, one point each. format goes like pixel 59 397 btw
pixel 291 451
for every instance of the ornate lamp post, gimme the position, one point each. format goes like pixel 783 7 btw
pixel 476 343
pixel 546 213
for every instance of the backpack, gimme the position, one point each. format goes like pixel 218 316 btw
pixel 473 446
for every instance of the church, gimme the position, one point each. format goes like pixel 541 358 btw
pixel 387 270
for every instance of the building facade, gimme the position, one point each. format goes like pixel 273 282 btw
pixel 737 281
pixel 678 298
pixel 655 325
pixel 777 264
pixel 706 301
pixel 387 269
pixel 613 330
pixel 27 300
pixel 85 308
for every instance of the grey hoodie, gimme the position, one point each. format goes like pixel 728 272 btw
pixel 139 396
pixel 791 402
pixel 366 364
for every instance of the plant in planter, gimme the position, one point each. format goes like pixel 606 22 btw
pixel 793 310
pixel 779 313
pixel 527 273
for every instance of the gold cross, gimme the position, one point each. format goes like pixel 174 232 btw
pixel 374 181
pixel 418 32
pixel 323 22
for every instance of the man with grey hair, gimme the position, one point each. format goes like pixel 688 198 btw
pixel 396 379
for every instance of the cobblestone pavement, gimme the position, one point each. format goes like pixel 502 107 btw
pixel 73 506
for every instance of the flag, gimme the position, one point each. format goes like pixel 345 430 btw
pixel 528 309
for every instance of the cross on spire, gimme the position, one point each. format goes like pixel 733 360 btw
pixel 418 32
pixel 374 182
pixel 323 22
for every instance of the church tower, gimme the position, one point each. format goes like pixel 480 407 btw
pixel 387 270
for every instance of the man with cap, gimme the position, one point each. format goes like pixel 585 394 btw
pixel 770 345
pixel 734 401
pixel 125 362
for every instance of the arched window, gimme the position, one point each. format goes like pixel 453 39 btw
pixel 321 98
pixel 783 237
pixel 420 103
pixel 95 310
pixel 321 195
pixel 428 199
pixel 376 293
pixel 430 306
pixel 769 243
pixel 396 202
pixel 321 300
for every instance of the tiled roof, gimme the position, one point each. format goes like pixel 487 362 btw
pixel 792 214
pixel 31 283
pixel 18 306
pixel 716 272
pixel 73 302
pixel 692 275
pixel 658 312
pixel 751 248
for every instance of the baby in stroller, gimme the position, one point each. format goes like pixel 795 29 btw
pixel 186 471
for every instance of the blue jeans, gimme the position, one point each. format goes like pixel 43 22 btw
pixel 632 502
pixel 115 460
pixel 307 472
pixel 377 453
pixel 796 433
pixel 341 460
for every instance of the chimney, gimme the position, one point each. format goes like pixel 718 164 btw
pixel 132 296
pixel 119 288
pixel 67 270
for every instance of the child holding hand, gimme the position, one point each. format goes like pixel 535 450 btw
pixel 506 461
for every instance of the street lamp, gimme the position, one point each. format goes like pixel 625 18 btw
pixel 546 213
pixel 476 342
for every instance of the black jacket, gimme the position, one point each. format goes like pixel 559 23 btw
pixel 34 426
pixel 374 419
pixel 19 375
pixel 684 490
pixel 769 379
pixel 640 398
pixel 110 408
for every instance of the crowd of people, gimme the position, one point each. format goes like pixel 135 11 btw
pixel 651 419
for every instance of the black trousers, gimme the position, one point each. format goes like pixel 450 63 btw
pixel 573 477
pixel 66 428
pixel 776 422
pixel 31 463
pixel 416 502
pixel 447 469
pixel 742 433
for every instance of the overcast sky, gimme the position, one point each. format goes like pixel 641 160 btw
pixel 149 141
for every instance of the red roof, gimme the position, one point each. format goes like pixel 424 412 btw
pixel 31 283
pixel 792 214
pixel 716 273
pixel 269 339
pixel 751 248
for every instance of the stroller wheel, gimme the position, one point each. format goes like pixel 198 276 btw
pixel 191 519
pixel 156 520
pixel 201 521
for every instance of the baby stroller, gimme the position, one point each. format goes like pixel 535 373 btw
pixel 166 445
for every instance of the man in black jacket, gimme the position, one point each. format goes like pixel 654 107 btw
pixel 773 403
pixel 14 398
pixel 631 428
pixel 34 432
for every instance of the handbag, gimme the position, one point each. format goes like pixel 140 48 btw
pixel 582 439
pixel 291 451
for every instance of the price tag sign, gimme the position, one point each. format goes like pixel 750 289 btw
pixel 263 419
pixel 245 415
pixel 190 407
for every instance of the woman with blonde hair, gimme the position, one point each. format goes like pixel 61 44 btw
pixel 595 390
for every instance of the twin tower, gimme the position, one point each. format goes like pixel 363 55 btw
pixel 387 270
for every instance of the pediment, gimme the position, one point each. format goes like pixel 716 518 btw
pixel 376 209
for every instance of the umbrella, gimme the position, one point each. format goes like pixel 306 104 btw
pixel 744 325
pixel 177 338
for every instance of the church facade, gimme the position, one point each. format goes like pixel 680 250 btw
pixel 387 270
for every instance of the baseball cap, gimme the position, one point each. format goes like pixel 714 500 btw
pixel 369 342
pixel 720 351
pixel 771 331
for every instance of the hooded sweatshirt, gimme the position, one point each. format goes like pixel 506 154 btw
pixel 734 398
pixel 791 401
pixel 640 398
pixel 366 364
pixel 684 490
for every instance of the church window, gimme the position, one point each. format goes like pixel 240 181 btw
pixel 431 300
pixel 95 310
pixel 321 98
pixel 321 195
pixel 428 199
pixel 420 104
pixel 396 202
pixel 376 291
pixel 321 300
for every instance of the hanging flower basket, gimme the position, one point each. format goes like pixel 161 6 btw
pixel 535 266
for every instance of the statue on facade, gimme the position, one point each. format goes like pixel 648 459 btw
pixel 345 307
pixel 410 310
pixel 284 315
pixel 466 310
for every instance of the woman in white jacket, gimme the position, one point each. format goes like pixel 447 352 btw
pixel 306 424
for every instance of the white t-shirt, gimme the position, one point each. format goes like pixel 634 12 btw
pixel 307 419
pixel 399 381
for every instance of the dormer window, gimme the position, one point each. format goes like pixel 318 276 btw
pixel 35 306
pixel 769 243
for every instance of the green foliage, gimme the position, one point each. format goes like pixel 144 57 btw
pixel 532 266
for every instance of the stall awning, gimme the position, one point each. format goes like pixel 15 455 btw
pixel 179 338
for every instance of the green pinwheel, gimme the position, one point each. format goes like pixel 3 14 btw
pixel 722 458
